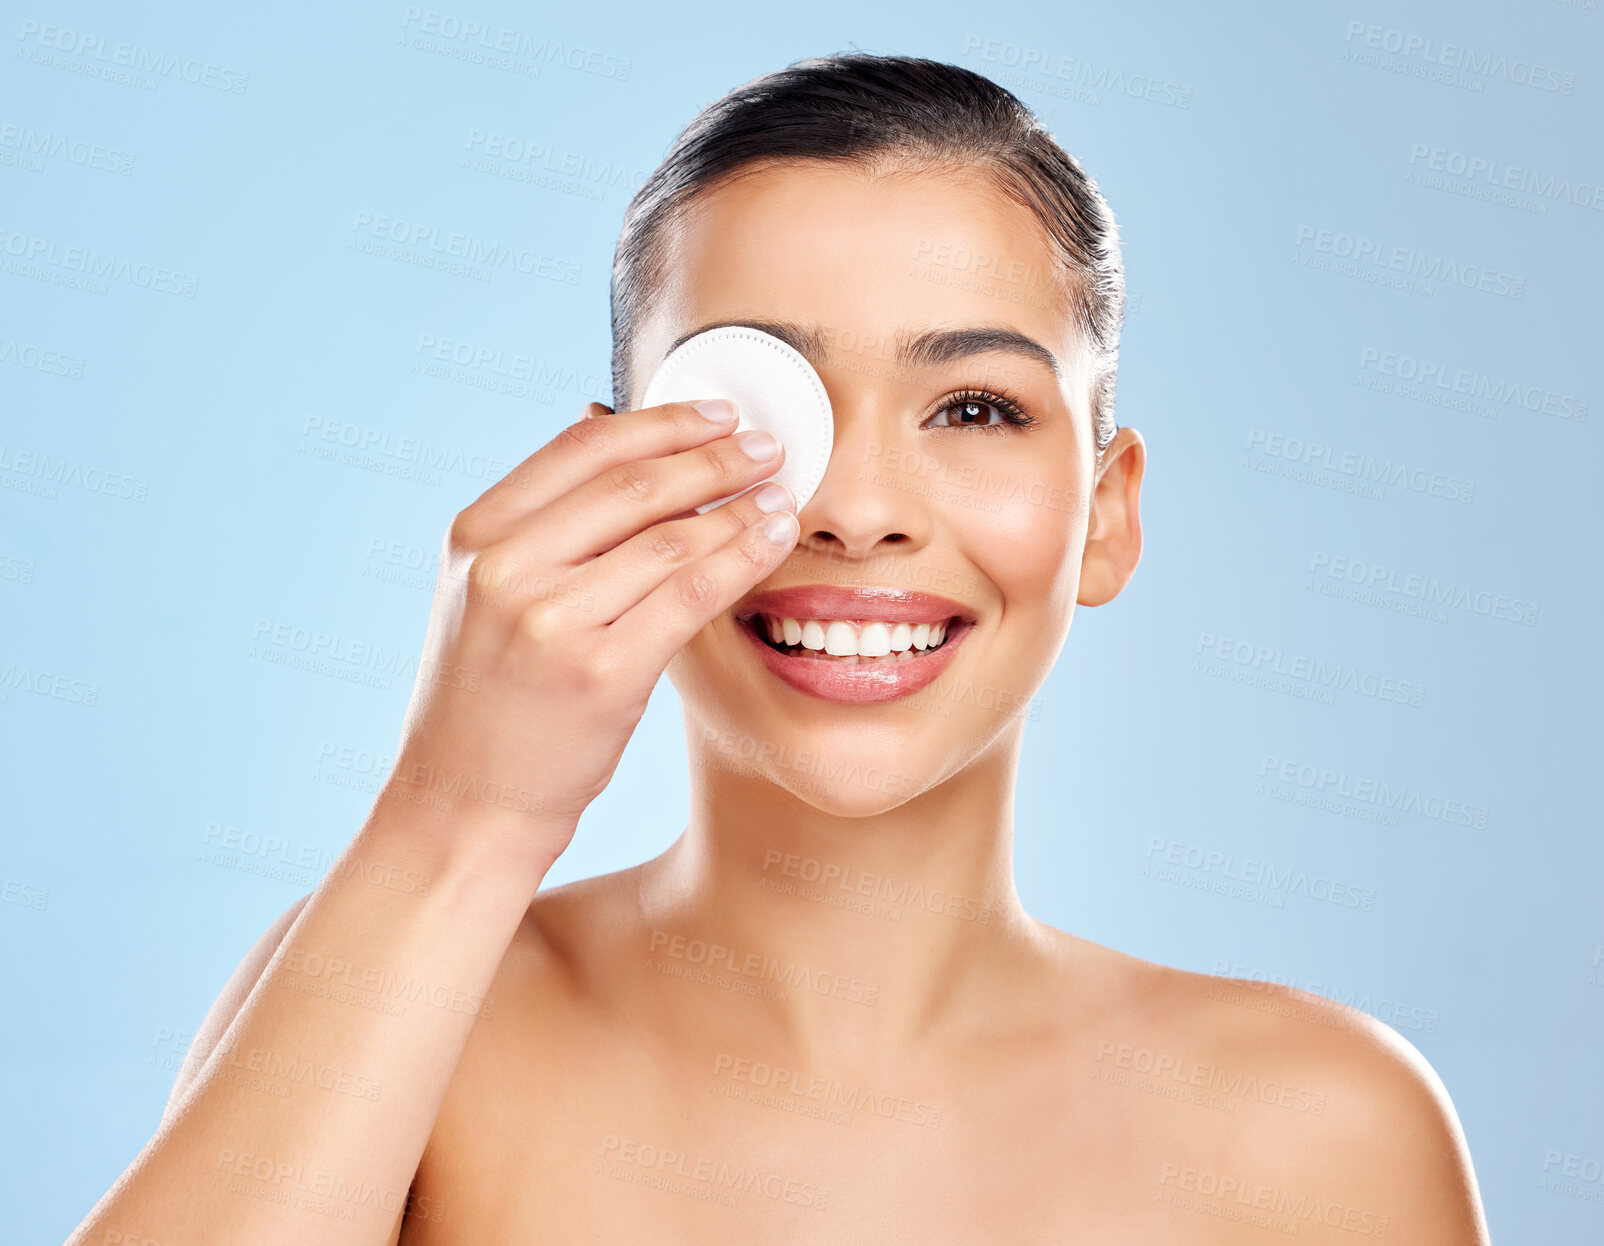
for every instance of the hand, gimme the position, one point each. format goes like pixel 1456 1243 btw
pixel 564 591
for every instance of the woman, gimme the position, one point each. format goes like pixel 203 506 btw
pixel 822 1014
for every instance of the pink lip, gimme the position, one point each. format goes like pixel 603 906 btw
pixel 854 605
pixel 879 680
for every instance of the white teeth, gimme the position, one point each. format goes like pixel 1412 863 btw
pixel 841 639
pixel 874 641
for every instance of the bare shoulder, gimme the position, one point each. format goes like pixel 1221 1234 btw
pixel 573 931
pixel 1309 1110
pixel 563 959
pixel 546 1002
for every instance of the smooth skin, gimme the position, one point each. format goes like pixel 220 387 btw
pixel 822 1015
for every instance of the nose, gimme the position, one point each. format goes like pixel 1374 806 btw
pixel 866 504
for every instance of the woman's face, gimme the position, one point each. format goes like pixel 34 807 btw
pixel 930 488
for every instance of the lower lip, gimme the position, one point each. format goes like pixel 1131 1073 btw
pixel 874 680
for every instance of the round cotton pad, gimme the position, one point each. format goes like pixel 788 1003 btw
pixel 772 386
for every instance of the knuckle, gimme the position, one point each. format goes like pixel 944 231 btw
pixel 755 551
pixel 733 515
pixel 538 624
pixel 586 437
pixel 666 545
pixel 601 668
pixel 591 673
pixel 689 419
pixel 465 532
pixel 697 588
pixel 726 463
pixel 491 573
pixel 630 482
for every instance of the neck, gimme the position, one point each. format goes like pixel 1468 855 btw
pixel 860 933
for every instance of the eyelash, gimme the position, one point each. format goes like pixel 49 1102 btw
pixel 1010 408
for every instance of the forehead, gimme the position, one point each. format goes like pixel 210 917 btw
pixel 869 259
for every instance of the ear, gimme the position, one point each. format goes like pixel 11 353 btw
pixel 1114 532
pixel 595 409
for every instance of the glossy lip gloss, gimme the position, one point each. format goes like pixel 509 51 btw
pixel 877 679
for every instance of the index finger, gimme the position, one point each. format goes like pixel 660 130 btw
pixel 600 440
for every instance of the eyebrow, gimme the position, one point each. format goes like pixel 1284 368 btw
pixel 926 349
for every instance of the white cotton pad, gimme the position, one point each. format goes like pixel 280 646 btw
pixel 772 386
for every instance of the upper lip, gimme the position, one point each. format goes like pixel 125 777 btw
pixel 855 605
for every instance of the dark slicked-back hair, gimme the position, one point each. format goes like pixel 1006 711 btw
pixel 870 110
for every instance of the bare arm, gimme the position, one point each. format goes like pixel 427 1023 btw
pixel 227 1006
pixel 565 590
pixel 360 1013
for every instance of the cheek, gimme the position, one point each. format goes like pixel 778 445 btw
pixel 1030 549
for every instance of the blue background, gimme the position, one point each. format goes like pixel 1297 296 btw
pixel 1268 124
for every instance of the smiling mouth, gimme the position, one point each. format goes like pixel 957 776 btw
pixel 853 641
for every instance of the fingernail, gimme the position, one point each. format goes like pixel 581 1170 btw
pixel 759 445
pixel 719 410
pixel 780 527
pixel 772 497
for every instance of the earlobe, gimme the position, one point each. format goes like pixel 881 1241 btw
pixel 1114 538
pixel 595 409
